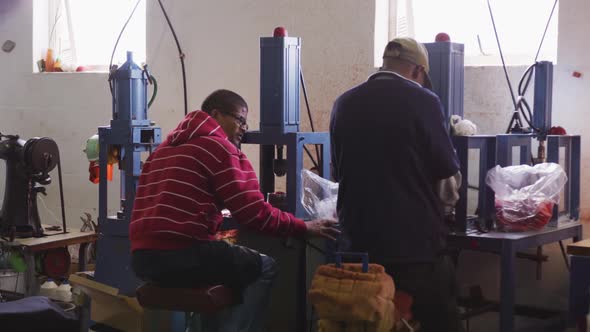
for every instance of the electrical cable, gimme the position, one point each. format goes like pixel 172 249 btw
pixel 16 282
pixel 117 43
pixel 55 20
pixel 564 254
pixel 313 246
pixel 155 92
pixel 48 209
pixel 522 104
pixel 180 55
pixel 317 151
pixel 545 32
pixel 315 164
pixel 61 193
pixel 528 74
pixel 501 55
pixel 323 252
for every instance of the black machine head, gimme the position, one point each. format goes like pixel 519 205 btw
pixel 40 155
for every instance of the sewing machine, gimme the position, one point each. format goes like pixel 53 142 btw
pixel 28 164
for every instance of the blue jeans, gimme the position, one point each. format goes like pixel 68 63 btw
pixel 250 316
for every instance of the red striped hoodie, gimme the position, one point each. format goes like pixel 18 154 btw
pixel 189 179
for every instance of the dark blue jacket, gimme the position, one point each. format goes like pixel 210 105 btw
pixel 389 148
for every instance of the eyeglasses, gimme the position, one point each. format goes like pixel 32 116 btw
pixel 240 120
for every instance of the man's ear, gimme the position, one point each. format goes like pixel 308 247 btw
pixel 215 114
pixel 416 72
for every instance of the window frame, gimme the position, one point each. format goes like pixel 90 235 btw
pixel 44 19
pixel 493 59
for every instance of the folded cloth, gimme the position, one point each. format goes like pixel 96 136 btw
pixel 347 294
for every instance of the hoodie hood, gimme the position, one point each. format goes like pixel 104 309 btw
pixel 195 124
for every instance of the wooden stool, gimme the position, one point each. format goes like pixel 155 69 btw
pixel 201 300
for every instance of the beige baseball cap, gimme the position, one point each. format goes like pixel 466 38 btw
pixel 408 49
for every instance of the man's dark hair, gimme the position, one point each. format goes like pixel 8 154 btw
pixel 224 101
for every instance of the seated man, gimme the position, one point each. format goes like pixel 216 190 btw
pixel 195 173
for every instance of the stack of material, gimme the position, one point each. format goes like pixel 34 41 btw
pixel 347 299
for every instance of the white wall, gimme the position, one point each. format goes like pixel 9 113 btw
pixel 571 97
pixel 65 107
pixel 221 43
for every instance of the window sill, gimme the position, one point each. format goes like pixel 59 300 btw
pixel 67 73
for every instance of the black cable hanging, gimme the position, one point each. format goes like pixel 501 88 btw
pixel 546 28
pixel 61 194
pixel 317 151
pixel 528 74
pixel 520 103
pixel 117 43
pixel 180 55
pixel 501 55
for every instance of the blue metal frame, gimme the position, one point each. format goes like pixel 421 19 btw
pixel 572 145
pixel 363 256
pixel 279 126
pixel 508 244
pixel 446 64
pixel 280 59
pixel 447 75
pixel 131 133
pixel 543 97
pixel 294 143
pixel 504 145
pixel 487 160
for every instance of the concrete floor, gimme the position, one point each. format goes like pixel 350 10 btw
pixel 489 322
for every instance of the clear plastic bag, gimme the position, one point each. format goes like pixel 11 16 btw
pixel 319 196
pixel 525 195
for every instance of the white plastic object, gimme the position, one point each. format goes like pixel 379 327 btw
pixel 462 127
pixel 64 292
pixel 319 196
pixel 48 288
pixel 78 296
pixel 525 195
pixel 11 280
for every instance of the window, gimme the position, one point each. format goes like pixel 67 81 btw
pixel 84 32
pixel 520 27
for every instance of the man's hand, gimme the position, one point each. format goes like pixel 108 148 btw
pixel 323 228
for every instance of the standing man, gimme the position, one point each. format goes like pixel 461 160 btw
pixel 194 174
pixel 392 156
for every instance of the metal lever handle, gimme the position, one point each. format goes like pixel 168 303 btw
pixel 362 255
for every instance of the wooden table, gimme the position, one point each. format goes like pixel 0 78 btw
pixel 579 292
pixel 581 248
pixel 53 239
